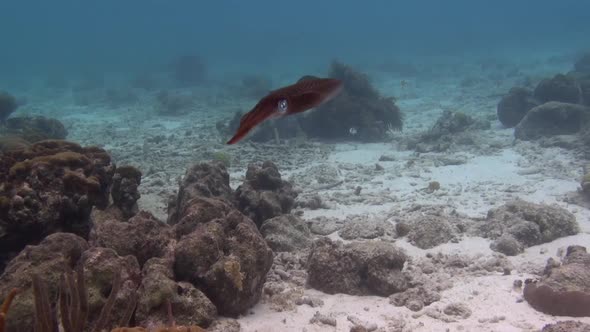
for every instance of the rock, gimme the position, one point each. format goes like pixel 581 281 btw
pixel 567 326
pixel 286 233
pixel 340 119
pixel 460 310
pixel 560 88
pixel 530 224
pixel 143 236
pixel 429 231
pixel 101 266
pixel 565 290
pixel 358 268
pixel 50 187
pixel 514 106
pixel 324 225
pixel 264 194
pixel 508 245
pixel 552 118
pixel 415 298
pixel 366 229
pixel 124 190
pixel 47 260
pixel 35 128
pixel 227 259
pixel 450 123
pixel 189 305
pixel 205 180
pixel 198 211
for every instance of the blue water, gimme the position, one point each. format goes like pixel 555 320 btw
pixel 39 37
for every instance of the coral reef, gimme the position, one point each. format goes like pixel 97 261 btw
pixel 35 128
pixel 47 260
pixel 49 187
pixel 564 290
pixel 450 129
pixel 12 144
pixel 264 194
pixel 204 180
pixel 567 326
pixel 227 259
pixel 358 106
pixel 527 223
pixel 8 105
pixel 142 236
pixel 286 233
pixel 159 289
pixel 560 88
pixel 515 105
pixel 124 190
pixel 357 268
pixel 552 118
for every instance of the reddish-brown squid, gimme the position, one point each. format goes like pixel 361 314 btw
pixel 307 93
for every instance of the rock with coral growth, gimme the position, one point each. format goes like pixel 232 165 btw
pixel 189 305
pixel 142 236
pixel 514 106
pixel 227 259
pixel 358 268
pixel 101 267
pixel 564 290
pixel 561 88
pixel 529 223
pixel 49 187
pixel 336 118
pixel 36 128
pixel 48 260
pixel 567 326
pixel 286 233
pixel 205 180
pixel 124 190
pixel 551 119
pixel 264 195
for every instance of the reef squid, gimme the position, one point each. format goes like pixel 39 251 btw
pixel 307 93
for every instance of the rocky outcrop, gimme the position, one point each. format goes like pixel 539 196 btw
pixel 563 290
pixel 50 187
pixel 142 236
pixel 526 223
pixel 515 105
pixel 189 305
pixel 264 195
pixel 358 268
pixel 552 118
pixel 286 233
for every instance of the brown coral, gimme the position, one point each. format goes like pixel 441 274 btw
pixel 50 186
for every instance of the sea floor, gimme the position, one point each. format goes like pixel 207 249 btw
pixel 472 181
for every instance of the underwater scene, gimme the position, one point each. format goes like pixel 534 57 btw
pixel 297 166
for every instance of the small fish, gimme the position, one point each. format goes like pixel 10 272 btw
pixel 307 93
pixel 352 131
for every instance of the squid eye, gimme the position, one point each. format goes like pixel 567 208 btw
pixel 283 106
